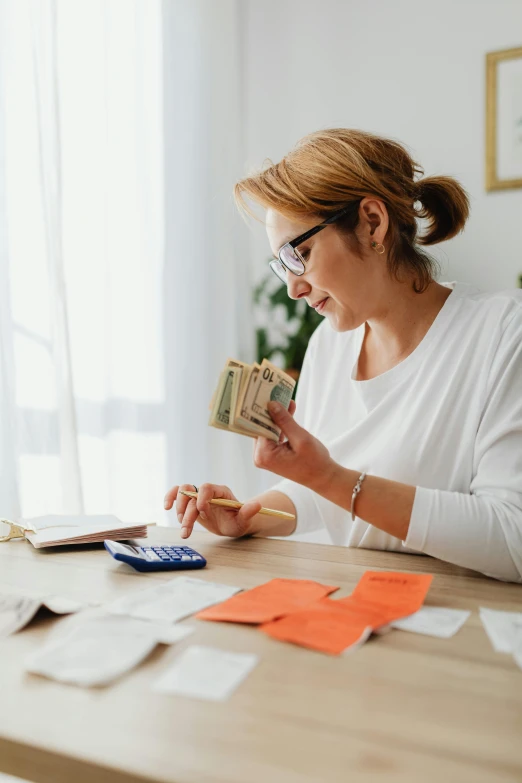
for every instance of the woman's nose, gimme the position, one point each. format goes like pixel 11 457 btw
pixel 297 287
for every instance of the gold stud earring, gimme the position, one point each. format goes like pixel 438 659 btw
pixel 378 248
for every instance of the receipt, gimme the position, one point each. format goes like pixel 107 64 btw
pixel 97 648
pixel 173 600
pixel 16 611
pixel 433 621
pixel 501 628
pixel 206 673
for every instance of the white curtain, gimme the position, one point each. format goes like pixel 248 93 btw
pixel 207 292
pixel 122 283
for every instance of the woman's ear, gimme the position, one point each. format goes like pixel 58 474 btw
pixel 374 220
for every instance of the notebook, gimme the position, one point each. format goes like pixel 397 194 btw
pixel 58 530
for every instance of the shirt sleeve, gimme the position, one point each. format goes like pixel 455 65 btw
pixel 309 517
pixel 483 529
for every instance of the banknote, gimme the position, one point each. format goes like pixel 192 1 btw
pixel 240 401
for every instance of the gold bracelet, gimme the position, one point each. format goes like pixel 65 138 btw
pixel 355 492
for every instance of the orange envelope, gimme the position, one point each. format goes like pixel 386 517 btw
pixel 273 599
pixel 327 626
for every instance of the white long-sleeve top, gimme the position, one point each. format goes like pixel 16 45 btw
pixel 447 420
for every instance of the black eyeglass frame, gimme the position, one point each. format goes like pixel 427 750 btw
pixel 278 262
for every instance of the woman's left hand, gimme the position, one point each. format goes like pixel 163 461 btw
pixel 301 458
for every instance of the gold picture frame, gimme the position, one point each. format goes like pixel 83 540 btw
pixel 503 139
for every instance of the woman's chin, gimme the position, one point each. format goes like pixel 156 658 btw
pixel 340 322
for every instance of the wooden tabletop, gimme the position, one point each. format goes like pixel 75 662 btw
pixel 402 708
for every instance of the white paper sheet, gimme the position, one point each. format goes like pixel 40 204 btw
pixel 173 600
pixel 17 610
pixel 74 521
pixel 206 673
pixel 99 648
pixel 433 621
pixel 501 628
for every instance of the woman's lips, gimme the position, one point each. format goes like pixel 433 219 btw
pixel 322 303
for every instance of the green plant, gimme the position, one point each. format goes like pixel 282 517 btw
pixel 283 325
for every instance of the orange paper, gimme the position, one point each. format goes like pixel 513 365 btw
pixel 262 604
pixel 395 593
pixel 332 626
pixel 327 626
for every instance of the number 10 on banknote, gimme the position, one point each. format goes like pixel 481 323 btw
pixel 243 392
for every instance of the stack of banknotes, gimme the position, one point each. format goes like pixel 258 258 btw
pixel 240 401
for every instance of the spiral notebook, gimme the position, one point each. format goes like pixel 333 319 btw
pixel 58 530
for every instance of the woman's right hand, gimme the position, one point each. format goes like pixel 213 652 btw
pixel 233 522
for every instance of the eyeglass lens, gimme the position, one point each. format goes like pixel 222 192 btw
pixel 291 260
pixel 278 269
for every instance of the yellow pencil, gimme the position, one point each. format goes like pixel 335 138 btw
pixel 270 512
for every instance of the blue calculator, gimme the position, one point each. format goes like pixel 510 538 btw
pixel 168 557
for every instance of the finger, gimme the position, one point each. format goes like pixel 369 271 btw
pixel 205 494
pixel 291 411
pixel 284 420
pixel 248 510
pixel 182 501
pixel 189 518
pixel 170 497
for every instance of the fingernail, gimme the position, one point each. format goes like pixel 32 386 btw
pixel 202 515
pixel 166 504
pixel 275 407
pixel 180 518
pixel 183 532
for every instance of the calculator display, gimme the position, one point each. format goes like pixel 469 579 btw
pixel 127 549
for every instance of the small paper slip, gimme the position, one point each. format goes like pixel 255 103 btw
pixel 501 628
pixel 173 600
pixel 433 621
pixel 397 594
pixel 273 599
pixel 327 626
pixel 97 650
pixel 206 673
pixel 17 611
pixel 58 530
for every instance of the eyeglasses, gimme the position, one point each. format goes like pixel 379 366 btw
pixel 290 259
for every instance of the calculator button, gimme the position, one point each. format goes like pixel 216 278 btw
pixel 196 557
pixel 150 555
pixel 186 557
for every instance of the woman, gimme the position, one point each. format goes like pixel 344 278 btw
pixel 408 427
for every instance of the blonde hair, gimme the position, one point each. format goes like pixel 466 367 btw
pixel 331 169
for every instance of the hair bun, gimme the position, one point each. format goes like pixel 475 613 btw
pixel 445 205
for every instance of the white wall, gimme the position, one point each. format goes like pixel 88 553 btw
pixel 407 69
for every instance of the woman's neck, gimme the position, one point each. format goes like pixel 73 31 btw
pixel 399 328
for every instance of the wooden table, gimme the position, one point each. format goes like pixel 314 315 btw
pixel 402 708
